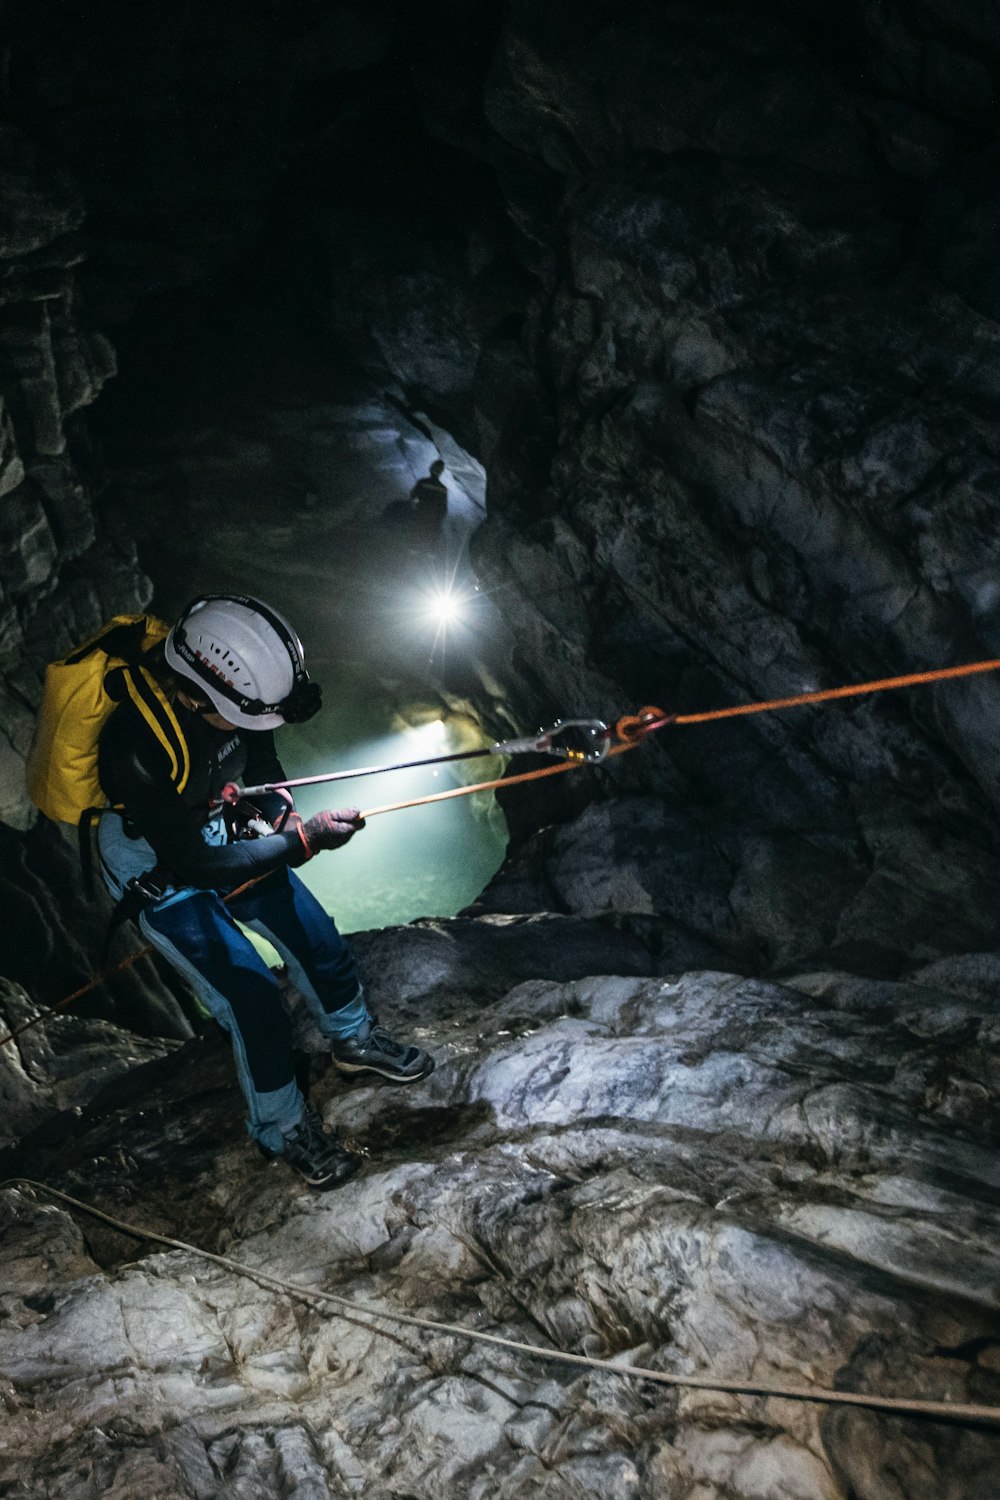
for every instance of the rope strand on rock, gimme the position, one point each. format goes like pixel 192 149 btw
pixel 953 1411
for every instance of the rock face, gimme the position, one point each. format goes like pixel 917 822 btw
pixel 693 1173
pixel 760 460
pixel 53 367
pixel 48 1072
pixel 717 318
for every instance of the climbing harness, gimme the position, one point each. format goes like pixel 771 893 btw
pixel 575 742
pixel 119 968
pixel 952 1411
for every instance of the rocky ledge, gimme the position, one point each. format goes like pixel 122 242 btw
pixel 703 1173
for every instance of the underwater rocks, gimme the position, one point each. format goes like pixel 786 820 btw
pixel 791 1183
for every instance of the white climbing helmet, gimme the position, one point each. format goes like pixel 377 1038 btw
pixel 246 658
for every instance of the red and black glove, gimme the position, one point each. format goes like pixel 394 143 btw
pixel 325 830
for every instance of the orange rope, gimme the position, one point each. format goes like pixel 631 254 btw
pixel 485 786
pixel 880 685
pixel 632 729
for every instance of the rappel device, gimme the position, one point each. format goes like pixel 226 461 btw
pixel 580 741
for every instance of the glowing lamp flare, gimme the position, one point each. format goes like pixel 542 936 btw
pixel 445 607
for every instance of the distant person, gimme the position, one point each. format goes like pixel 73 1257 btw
pixel 429 499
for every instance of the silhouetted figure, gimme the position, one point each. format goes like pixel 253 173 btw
pixel 429 498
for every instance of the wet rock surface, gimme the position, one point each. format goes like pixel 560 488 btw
pixel 694 1173
pixel 61 1066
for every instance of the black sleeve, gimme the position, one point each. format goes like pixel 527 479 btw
pixel 263 766
pixel 173 830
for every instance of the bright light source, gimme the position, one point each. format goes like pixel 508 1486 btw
pixel 446 607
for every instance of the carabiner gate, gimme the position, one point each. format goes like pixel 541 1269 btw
pixel 584 740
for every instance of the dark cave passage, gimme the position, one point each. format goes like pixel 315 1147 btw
pixel 243 458
pixel 246 448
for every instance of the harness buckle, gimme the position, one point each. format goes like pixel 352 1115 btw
pixel 151 885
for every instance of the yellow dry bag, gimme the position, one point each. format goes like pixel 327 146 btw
pixel 81 692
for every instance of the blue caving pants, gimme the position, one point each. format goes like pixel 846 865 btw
pixel 197 933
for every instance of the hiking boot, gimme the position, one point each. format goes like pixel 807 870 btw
pixel 317 1155
pixel 373 1050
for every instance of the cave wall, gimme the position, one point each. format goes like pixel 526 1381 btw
pixel 52 369
pixel 746 446
pixel 139 157
pixel 711 294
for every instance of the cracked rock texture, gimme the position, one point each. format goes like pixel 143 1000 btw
pixel 718 316
pixel 792 1183
pixel 754 452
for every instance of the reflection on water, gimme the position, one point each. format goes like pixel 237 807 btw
pixel 420 861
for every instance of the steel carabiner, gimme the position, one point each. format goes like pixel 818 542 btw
pixel 584 740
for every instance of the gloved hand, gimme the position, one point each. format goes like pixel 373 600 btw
pixel 326 830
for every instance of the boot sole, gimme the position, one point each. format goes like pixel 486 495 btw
pixel 318 1185
pixel 346 1067
pixel 328 1183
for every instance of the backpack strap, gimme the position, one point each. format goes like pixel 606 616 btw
pixel 157 711
pixel 84 837
pixel 123 636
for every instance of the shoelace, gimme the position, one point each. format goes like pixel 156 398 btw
pixel 386 1043
pixel 311 1139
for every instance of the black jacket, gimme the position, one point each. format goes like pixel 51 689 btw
pixel 134 771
